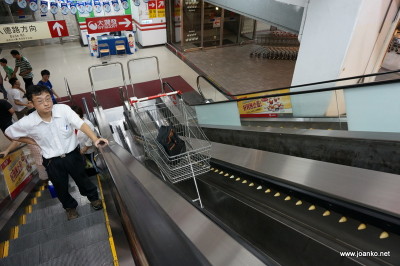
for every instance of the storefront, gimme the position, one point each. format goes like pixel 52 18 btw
pixel 196 24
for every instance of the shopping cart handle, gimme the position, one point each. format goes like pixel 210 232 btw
pixel 155 96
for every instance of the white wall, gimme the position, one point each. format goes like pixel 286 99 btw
pixel 328 29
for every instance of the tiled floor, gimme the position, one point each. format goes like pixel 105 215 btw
pixel 233 69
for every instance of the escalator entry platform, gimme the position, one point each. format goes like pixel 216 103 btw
pixel 42 235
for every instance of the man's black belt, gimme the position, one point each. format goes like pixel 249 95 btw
pixel 65 154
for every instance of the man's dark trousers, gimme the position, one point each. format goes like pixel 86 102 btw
pixel 58 169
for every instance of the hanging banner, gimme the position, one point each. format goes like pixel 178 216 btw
pixel 33 5
pixel 17 171
pixel 160 8
pixel 72 7
pixel 89 7
pixel 44 6
pixel 106 7
pixel 152 6
pixel 115 5
pixel 29 31
pixel 97 7
pixel 64 8
pixel 22 3
pixel 53 8
pixel 81 8
pixel 10 2
pixel 124 4
pixel 109 24
pixel 265 107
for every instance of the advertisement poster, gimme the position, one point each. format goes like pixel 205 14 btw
pixel 53 8
pixel 131 41
pixel 81 7
pixel 265 107
pixel 97 7
pixel 33 5
pixel 73 8
pixel 44 7
pixel 93 46
pixel 89 7
pixel 17 171
pixel 115 5
pixel 64 9
pixel 106 6
pixel 125 4
pixel 21 3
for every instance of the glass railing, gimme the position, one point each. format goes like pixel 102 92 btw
pixel 359 103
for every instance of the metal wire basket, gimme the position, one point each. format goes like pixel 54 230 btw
pixel 169 110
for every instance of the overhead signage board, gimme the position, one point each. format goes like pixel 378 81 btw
pixel 109 24
pixel 20 32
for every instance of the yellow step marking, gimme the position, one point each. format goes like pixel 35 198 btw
pixel 6 246
pixel 212 169
pixel 287 198
pixel 267 191
pixel 277 194
pixel 28 209
pixel 226 174
pixel 244 182
pixel 259 187
pixel 251 185
pixel 298 203
pixel 311 208
pixel 232 176
pixel 22 219
pixel 216 170
pixel 326 213
pixel 33 201
pixel 38 194
pixel 237 179
pixel 343 219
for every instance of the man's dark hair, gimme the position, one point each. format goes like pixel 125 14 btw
pixel 3 60
pixel 14 52
pixel 44 72
pixel 77 110
pixel 12 81
pixel 36 90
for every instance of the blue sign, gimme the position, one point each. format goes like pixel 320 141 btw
pixel 97 7
pixel 72 7
pixel 64 8
pixel 53 8
pixel 44 6
pixel 115 5
pixel 106 6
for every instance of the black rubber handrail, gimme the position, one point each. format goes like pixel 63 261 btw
pixel 161 240
pixel 345 87
pixel 217 87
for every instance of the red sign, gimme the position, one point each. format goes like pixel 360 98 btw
pixel 109 24
pixel 152 4
pixel 58 28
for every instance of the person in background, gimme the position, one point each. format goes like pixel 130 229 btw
pixel 9 71
pixel 25 68
pixel 51 128
pixel 85 143
pixel 6 113
pixel 2 89
pixel 46 82
pixel 16 97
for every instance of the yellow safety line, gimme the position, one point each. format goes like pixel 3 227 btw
pixel 34 201
pixel 38 193
pixel 1 250
pixel 22 219
pixel 110 239
pixel 5 248
pixel 28 209
pixel 14 232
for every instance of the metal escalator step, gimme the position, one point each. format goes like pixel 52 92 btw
pixel 71 244
pixel 36 225
pixel 47 214
pixel 54 201
pixel 76 241
pixel 55 208
pixel 30 257
pixel 61 230
pixel 46 193
pixel 93 255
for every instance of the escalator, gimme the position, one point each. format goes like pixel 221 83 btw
pixel 42 235
pixel 273 214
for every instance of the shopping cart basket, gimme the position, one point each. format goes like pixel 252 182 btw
pixel 169 109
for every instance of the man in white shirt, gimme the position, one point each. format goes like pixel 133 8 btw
pixel 17 100
pixel 51 127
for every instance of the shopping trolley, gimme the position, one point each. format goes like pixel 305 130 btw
pixel 169 109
